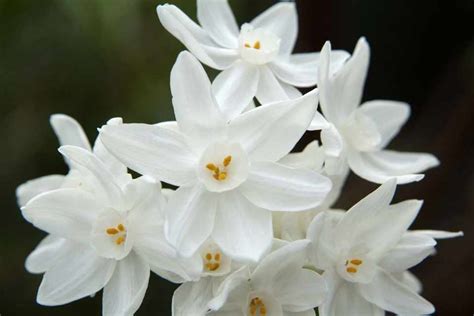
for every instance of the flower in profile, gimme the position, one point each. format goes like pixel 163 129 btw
pixel 357 135
pixel 365 254
pixel 256 59
pixel 278 285
pixel 112 236
pixel 227 172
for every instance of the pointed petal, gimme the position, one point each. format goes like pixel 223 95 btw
pixel 388 116
pixel 233 291
pixel 195 38
pixel 242 230
pixel 191 298
pixel 270 89
pixel 318 122
pixel 69 131
pixel 195 108
pixel 382 165
pixel 152 150
pixel 32 188
pixel 96 174
pixel 78 273
pixel 234 88
pixel 45 254
pixel 439 234
pixel 346 301
pixel 282 20
pixel 190 215
pixel 279 188
pixel 332 141
pixel 270 131
pixel 217 19
pixel 124 293
pixel 312 157
pixel 391 295
pixel 67 213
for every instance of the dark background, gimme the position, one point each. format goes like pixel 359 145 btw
pixel 95 59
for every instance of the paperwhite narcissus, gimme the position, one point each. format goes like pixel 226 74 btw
pixel 227 172
pixel 365 254
pixel 114 235
pixel 69 132
pixel 256 60
pixel 278 286
pixel 358 135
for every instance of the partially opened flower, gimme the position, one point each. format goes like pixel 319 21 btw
pixel 256 59
pixel 358 135
pixel 113 235
pixel 365 254
pixel 277 286
pixel 227 171
pixel 69 132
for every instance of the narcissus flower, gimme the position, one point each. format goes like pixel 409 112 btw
pixel 358 135
pixel 277 286
pixel 256 60
pixel 365 254
pixel 228 173
pixel 112 234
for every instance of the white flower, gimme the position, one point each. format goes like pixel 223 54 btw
pixel 365 254
pixel 278 286
pixel 227 172
pixel 357 135
pixel 69 132
pixel 114 236
pixel 256 60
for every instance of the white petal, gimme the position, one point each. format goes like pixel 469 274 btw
pixel 280 265
pixel 67 213
pixel 96 174
pixel 45 254
pixel 318 122
pixel 190 217
pixel 32 188
pixel 217 19
pixel 195 108
pixel 124 293
pixel 269 132
pixel 382 165
pixel 312 157
pixel 78 273
pixel 152 150
pixel 291 91
pixel 234 290
pixel 391 295
pixel 242 230
pixel 69 131
pixel 191 298
pixel 332 141
pixel 341 93
pixel 411 281
pixel 346 301
pixel 310 312
pixel 439 234
pixel 270 89
pixel 279 188
pixel 282 20
pixel 302 291
pixel 195 38
pixel 234 88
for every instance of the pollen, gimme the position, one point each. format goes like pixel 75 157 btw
pixel 257 307
pixel 219 171
pixel 119 233
pixel 212 262
pixel 351 269
pixel 256 45
pixel 352 264
pixel 356 262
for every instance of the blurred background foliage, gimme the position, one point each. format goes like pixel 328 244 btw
pixel 96 59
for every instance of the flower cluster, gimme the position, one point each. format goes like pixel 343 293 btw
pixel 249 229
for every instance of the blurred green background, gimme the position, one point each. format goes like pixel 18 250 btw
pixel 96 59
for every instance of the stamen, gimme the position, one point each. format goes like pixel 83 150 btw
pixel 208 256
pixel 112 231
pixel 256 45
pixel 120 240
pixel 351 270
pixel 121 227
pixel 216 171
pixel 222 176
pixel 217 257
pixel 256 304
pixel 357 262
pixel 227 161
pixel 211 167
pixel 247 45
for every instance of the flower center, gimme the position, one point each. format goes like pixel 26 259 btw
pixel 119 234
pixel 256 45
pixel 352 265
pixel 257 307
pixel 212 261
pixel 219 172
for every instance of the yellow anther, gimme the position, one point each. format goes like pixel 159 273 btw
pixel 121 227
pixel 256 45
pixel 351 270
pixel 222 176
pixel 257 305
pixel 357 262
pixel 247 45
pixel 112 231
pixel 227 161
pixel 120 240
pixel 217 257
pixel 208 256
pixel 212 167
